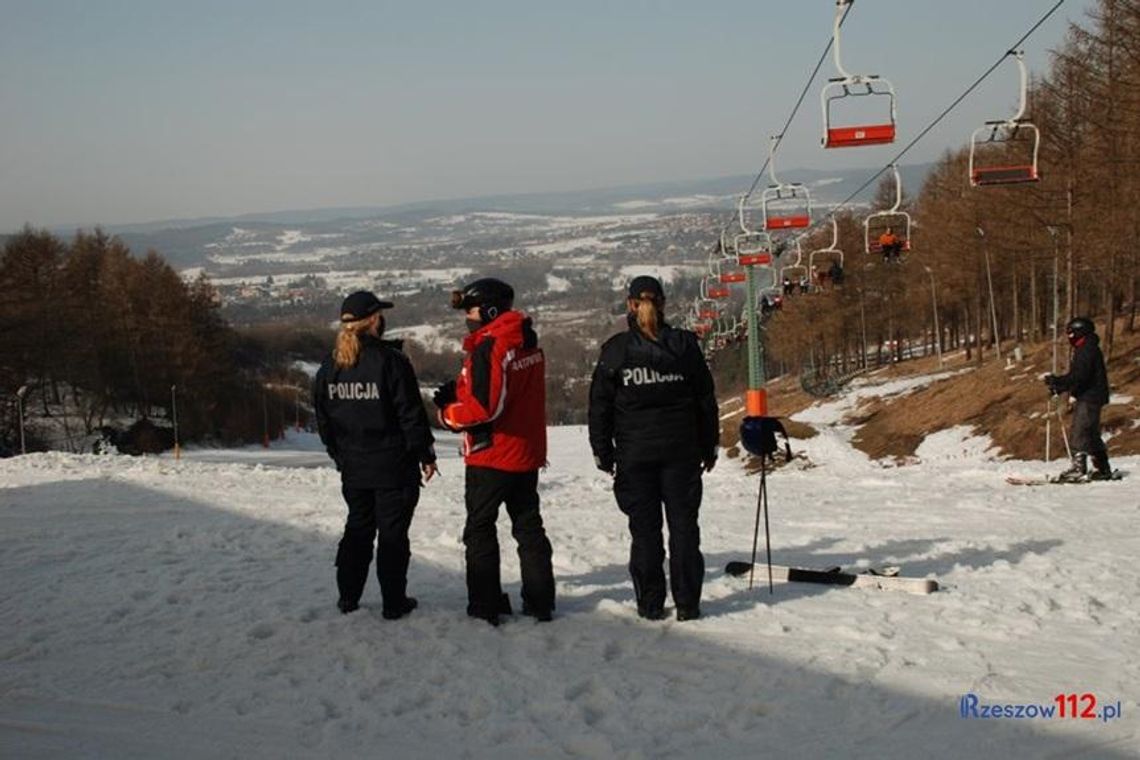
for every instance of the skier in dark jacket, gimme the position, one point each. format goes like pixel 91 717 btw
pixel 499 404
pixel 654 426
pixel 371 419
pixel 1087 383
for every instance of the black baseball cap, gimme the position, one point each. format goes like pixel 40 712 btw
pixel 361 305
pixel 643 284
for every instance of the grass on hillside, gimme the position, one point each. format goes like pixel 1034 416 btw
pixel 1004 400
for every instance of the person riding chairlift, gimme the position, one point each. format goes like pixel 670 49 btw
pixel 890 245
pixel 835 273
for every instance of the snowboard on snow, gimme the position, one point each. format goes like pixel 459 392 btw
pixel 1056 481
pixel 885 579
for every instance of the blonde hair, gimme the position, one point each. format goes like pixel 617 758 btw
pixel 346 353
pixel 648 315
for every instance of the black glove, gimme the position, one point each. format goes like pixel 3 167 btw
pixel 1051 382
pixel 445 394
pixel 605 464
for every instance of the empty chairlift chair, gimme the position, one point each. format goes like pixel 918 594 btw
pixel 847 85
pixel 752 247
pixel 711 288
pixel 1004 151
pixel 729 271
pixel 707 310
pixel 785 206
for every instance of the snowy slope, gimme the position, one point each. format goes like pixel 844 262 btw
pixel 157 608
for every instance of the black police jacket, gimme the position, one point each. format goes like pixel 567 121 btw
pixel 652 400
pixel 371 417
pixel 1087 379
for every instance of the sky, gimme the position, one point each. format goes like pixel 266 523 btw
pixel 123 111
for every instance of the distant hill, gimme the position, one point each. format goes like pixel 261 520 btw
pixel 829 186
pixel 183 242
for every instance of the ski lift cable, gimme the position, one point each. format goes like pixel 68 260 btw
pixel 1011 50
pixel 791 116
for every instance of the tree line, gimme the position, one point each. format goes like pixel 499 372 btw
pixel 97 335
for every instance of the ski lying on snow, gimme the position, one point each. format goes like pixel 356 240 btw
pixel 1054 481
pixel 884 579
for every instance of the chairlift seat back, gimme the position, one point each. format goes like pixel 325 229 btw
pixel 1004 175
pixel 855 137
pixel 759 258
pixel 789 222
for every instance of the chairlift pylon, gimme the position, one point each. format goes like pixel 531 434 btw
pixel 848 85
pixel 1007 132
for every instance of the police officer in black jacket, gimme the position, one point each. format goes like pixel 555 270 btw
pixel 654 426
pixel 1087 383
pixel 372 421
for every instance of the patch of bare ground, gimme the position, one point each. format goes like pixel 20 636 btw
pixel 1008 404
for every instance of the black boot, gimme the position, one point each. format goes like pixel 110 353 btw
pixel 398 611
pixel 492 617
pixel 1102 469
pixel 540 615
pixel 688 613
pixel 651 612
pixel 1077 471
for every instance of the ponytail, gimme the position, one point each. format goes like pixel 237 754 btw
pixel 648 317
pixel 346 353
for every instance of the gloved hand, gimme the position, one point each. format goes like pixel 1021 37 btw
pixel 605 464
pixel 445 394
pixel 1052 384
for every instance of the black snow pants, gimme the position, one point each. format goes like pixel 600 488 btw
pixel 1084 434
pixel 486 489
pixel 641 488
pixel 376 512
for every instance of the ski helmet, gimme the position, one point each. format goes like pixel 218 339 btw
pixel 1080 327
pixel 492 296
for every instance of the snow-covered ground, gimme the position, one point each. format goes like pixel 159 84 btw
pixel 156 608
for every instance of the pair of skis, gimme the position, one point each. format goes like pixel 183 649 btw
pixel 886 579
pixel 1013 480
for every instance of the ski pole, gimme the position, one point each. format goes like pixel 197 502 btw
pixel 1064 436
pixel 1056 411
pixel 767 533
pixel 756 527
pixel 761 507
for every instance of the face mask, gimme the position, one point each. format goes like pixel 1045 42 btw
pixel 473 324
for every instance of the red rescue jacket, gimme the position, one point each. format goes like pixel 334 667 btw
pixel 501 397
